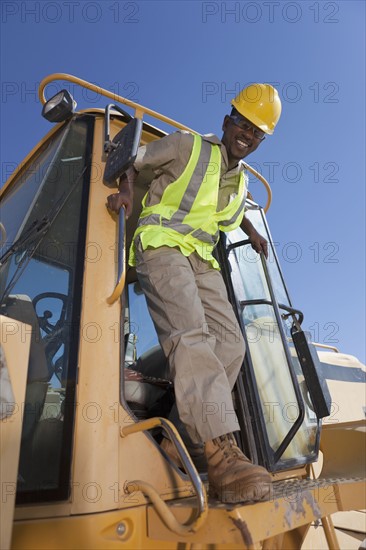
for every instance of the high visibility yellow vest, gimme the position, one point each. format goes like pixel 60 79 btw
pixel 186 216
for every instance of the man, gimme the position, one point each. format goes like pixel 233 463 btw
pixel 199 188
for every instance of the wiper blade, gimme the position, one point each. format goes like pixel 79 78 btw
pixel 37 229
pixel 30 240
pixel 28 244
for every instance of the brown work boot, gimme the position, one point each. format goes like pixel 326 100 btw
pixel 197 455
pixel 232 477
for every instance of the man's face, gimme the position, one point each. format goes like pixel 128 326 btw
pixel 239 142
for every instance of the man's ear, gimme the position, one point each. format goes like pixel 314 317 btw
pixel 225 122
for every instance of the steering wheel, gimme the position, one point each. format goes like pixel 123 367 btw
pixel 44 323
pixel 55 333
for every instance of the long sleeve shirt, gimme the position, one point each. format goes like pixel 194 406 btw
pixel 168 157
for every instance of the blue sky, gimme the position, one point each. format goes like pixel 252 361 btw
pixel 188 60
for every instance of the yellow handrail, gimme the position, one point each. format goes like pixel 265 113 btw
pixel 140 110
pixel 161 507
pixel 121 272
pixel 325 346
pixel 265 183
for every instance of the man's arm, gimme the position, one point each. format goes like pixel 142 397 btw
pixel 258 242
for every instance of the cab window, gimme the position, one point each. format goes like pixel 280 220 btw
pixel 42 269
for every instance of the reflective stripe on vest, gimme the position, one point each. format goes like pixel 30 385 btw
pixel 188 206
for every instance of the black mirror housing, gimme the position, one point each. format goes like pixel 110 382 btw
pixel 122 151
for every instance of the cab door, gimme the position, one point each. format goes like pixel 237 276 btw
pixel 279 425
pixel 15 346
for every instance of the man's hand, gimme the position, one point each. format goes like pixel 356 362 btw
pixel 117 200
pixel 258 242
pixel 124 197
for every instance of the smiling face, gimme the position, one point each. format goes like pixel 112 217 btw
pixel 239 142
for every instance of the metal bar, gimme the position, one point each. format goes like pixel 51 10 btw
pixel 121 271
pixel 330 533
pixel 292 311
pixel 244 402
pixel 162 509
pixel 262 301
pixel 231 246
pixel 296 425
pixel 325 346
pixel 265 183
pixel 107 117
pixel 140 110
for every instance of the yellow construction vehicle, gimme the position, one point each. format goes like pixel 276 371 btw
pixel 86 394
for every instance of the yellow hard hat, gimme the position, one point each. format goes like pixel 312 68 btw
pixel 261 104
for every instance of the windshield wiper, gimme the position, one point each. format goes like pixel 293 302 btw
pixel 37 229
pixel 29 241
pixel 27 244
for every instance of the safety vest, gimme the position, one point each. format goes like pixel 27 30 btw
pixel 186 216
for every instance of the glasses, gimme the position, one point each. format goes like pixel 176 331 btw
pixel 244 125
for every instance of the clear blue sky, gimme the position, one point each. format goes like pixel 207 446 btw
pixel 187 60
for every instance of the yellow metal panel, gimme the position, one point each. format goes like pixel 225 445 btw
pixel 355 520
pixel 95 464
pixel 343 408
pixel 31 511
pixel 316 540
pixel 351 497
pixel 344 449
pixel 15 340
pixel 134 529
pixel 110 530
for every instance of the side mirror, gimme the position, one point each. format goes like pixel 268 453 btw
pixel 122 151
pixel 310 365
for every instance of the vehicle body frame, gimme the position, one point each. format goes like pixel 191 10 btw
pixel 114 485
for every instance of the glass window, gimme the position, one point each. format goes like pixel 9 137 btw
pixel 17 204
pixel 42 276
pixel 253 261
pixel 147 387
pixel 140 322
pixel 275 387
pixel 269 348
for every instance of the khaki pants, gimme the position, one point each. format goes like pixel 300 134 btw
pixel 199 334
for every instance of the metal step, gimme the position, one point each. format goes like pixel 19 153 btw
pixel 293 503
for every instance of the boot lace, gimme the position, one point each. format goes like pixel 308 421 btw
pixel 231 451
